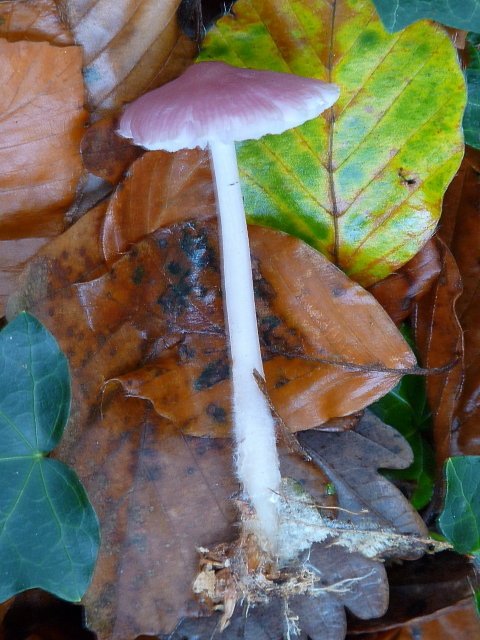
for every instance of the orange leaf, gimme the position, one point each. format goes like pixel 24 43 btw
pixel 33 20
pixel 40 131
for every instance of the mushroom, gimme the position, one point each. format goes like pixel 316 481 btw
pixel 213 105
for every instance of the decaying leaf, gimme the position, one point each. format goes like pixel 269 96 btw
pixel 461 229
pixel 40 130
pixel 326 559
pixel 33 20
pixel 439 340
pixel 129 48
pixel 398 293
pixel 163 295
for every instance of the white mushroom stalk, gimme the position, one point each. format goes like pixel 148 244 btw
pixel 213 105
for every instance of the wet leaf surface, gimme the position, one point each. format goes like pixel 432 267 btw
pixel 368 196
pixel 129 50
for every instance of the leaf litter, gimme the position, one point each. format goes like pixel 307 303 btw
pixel 87 262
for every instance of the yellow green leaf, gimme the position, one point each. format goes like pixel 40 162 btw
pixel 364 182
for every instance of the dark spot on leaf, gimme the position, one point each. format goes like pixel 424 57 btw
pixel 138 274
pixel 174 267
pixel 195 246
pixel 217 413
pixel 69 331
pixel 281 382
pixel 101 339
pixel 185 352
pixel 190 471
pixel 162 243
pixel 51 311
pixel 175 298
pixel 65 255
pixel 213 373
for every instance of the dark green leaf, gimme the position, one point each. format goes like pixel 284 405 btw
pixel 460 518
pixel 48 530
pixel 471 118
pixel 460 14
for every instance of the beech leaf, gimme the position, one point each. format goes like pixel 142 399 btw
pixel 367 196
pixel 128 50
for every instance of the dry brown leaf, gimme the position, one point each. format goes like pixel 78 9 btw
pixel 463 623
pixel 162 298
pixel 165 295
pixel 421 590
pixel 398 293
pixel 40 129
pixel 33 20
pixel 439 340
pixel 105 154
pixel 461 228
pixel 130 47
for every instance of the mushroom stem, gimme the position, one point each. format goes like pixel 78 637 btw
pixel 257 460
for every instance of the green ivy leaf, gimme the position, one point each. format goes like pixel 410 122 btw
pixel 460 14
pixel 471 119
pixel 405 408
pixel 49 533
pixel 358 183
pixel 460 518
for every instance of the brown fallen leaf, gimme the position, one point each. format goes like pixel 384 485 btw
pixel 398 293
pixel 33 20
pixel 129 49
pixel 164 294
pixel 422 590
pixel 343 576
pixel 40 130
pixel 462 622
pixel 439 341
pixel 105 154
pixel 461 228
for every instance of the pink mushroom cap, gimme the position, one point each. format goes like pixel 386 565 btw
pixel 213 101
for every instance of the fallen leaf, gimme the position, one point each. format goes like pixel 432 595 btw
pixel 462 231
pixel 42 119
pixel 164 295
pixel 358 485
pixel 40 130
pixel 439 341
pixel 33 20
pixel 128 50
pixel 401 290
pixel 421 589
pixel 462 622
pixel 105 154
pixel 368 196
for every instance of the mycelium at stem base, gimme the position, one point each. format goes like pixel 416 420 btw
pixel 256 461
